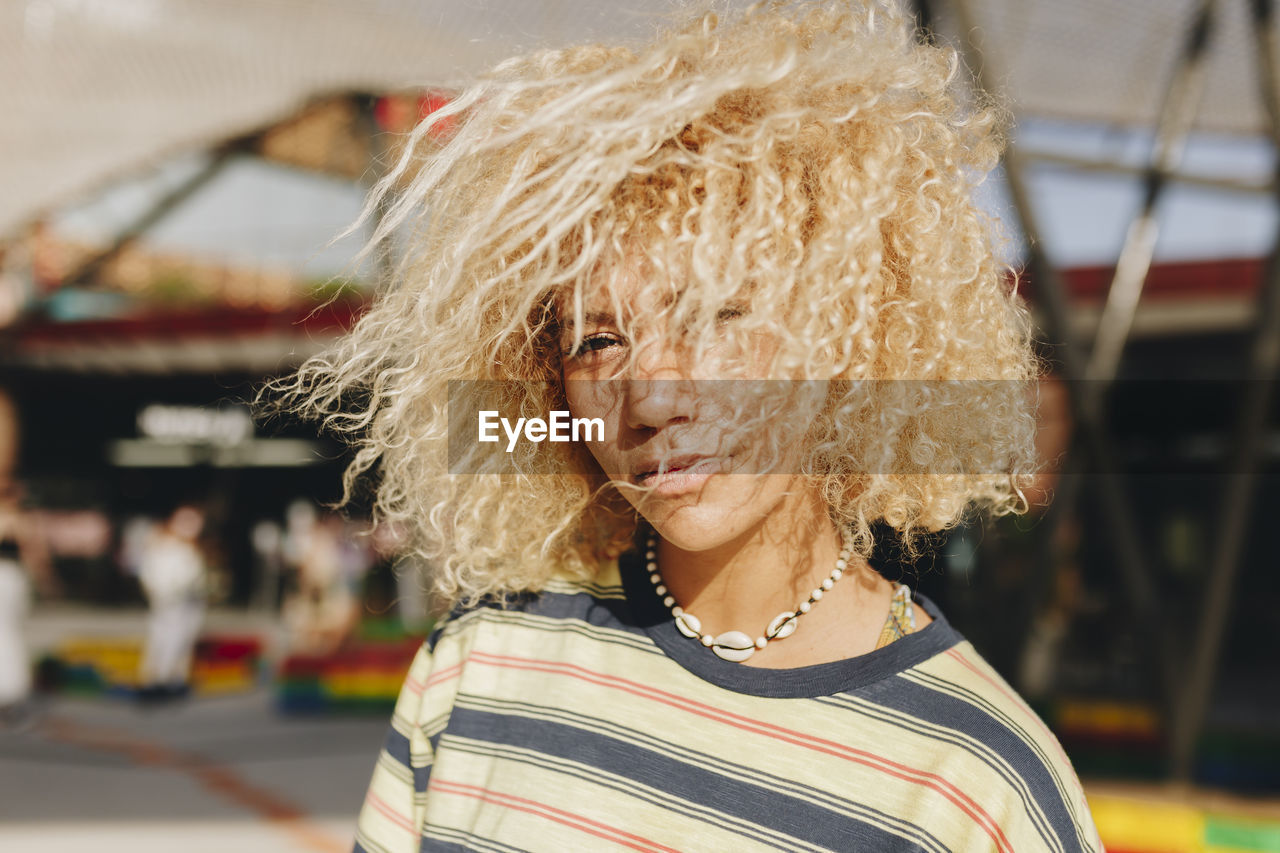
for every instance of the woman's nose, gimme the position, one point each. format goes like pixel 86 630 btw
pixel 659 391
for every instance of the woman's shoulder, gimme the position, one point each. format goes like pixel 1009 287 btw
pixel 598 600
pixel 962 685
pixel 569 618
pixel 995 738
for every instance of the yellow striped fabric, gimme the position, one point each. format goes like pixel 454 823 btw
pixel 580 720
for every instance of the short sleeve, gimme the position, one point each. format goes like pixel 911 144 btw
pixel 392 816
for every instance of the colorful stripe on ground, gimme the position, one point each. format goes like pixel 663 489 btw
pixel 365 677
pixel 218 779
pixel 1134 825
pixel 220 664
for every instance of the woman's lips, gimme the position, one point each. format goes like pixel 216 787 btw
pixel 683 475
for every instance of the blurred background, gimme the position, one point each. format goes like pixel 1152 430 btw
pixel 196 653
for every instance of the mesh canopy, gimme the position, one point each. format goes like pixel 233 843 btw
pixel 1110 62
pixel 90 90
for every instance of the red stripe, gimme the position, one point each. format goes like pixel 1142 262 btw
pixel 416 687
pixel 578 822
pixel 444 675
pixel 876 762
pixel 389 813
pixel 1029 714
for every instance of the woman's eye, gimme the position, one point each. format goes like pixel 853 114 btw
pixel 730 312
pixel 594 343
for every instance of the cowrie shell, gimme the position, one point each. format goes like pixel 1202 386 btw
pixel 734 646
pixel 689 625
pixel 782 626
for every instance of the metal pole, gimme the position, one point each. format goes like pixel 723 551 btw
pixel 89 269
pixel 1242 482
pixel 1085 164
pixel 1176 117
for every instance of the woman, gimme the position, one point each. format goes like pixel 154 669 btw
pixel 676 326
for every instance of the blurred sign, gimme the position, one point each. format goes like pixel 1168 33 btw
pixel 197 424
pixel 253 453
pixel 175 436
pixel 73 533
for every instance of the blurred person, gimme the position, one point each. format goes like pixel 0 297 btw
pixel 171 569
pixel 135 534
pixel 15 590
pixel 24 564
pixel 411 574
pixel 12 290
pixel 267 540
pixel 782 199
pixel 324 610
pixel 15 594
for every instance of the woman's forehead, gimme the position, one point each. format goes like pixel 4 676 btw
pixel 619 292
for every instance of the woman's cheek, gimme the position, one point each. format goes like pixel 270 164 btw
pixel 588 399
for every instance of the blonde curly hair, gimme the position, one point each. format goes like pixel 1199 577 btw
pixel 812 161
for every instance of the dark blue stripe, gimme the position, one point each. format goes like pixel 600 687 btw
pixel 740 799
pixel 612 613
pixel 397 746
pixel 436 845
pixel 569 623
pixel 982 701
pixel 466 841
pixel 942 709
pixel 421 778
pixel 546 762
pixel 1035 747
pixel 715 765
pixel 958 741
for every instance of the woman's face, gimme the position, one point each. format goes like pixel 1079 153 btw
pixel 674 441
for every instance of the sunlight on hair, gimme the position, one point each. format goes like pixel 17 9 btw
pixel 808 167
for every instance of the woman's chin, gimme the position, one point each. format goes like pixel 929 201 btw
pixel 723 510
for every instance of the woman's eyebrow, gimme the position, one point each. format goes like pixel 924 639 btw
pixel 590 320
pixel 598 318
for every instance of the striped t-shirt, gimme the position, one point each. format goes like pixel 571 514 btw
pixel 581 719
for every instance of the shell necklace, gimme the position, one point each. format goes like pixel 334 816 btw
pixel 737 646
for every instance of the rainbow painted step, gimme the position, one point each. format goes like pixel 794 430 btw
pixel 364 677
pixel 97 665
pixel 1136 825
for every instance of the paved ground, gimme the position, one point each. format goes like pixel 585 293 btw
pixel 219 774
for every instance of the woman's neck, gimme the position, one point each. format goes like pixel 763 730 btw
pixel 773 567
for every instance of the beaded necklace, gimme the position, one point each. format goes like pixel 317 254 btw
pixel 737 646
